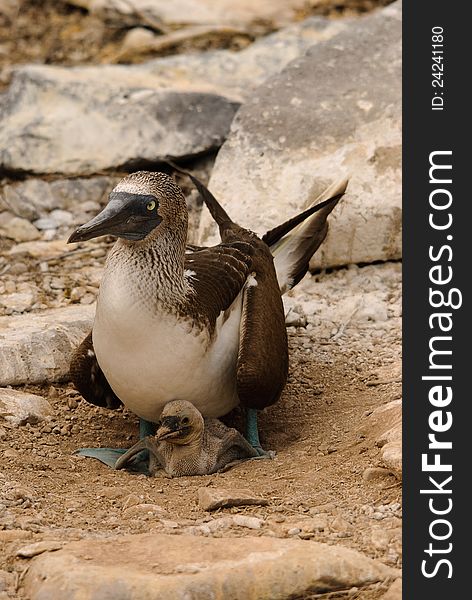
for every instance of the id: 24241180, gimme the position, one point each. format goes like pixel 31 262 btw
pixel 437 51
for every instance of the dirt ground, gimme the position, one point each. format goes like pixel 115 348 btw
pixel 315 485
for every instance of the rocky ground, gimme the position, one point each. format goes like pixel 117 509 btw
pixel 336 478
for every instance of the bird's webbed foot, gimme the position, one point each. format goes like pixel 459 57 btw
pixel 252 435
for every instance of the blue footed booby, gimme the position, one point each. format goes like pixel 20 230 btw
pixel 207 325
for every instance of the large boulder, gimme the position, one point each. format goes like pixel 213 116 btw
pixel 178 567
pixel 35 348
pixel 334 112
pixel 79 121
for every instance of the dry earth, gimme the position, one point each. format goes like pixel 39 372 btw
pixel 325 483
pixel 328 482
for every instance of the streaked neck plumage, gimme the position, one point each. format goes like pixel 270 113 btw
pixel 155 265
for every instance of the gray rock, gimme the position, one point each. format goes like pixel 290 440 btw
pixel 195 12
pixel 247 521
pixel 19 408
pixel 331 113
pixel 213 498
pixel 29 199
pixel 17 301
pixel 18 229
pixel 194 567
pixel 86 119
pixel 45 223
pixel 138 120
pixel 35 348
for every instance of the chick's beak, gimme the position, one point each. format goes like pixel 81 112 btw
pixel 170 427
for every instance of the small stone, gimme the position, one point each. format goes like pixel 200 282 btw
pixel 20 230
pixel 295 318
pixel 294 531
pixel 316 523
pixel 213 498
pixel 87 299
pixel 18 301
pixel 279 519
pixel 10 287
pixel 45 223
pixel 246 521
pixel 131 500
pixel 38 548
pixel 19 408
pixel 372 473
pixel 77 293
pixel 18 268
pixel 169 524
pixel 378 516
pixel 72 403
pixel 341 525
pixel 61 217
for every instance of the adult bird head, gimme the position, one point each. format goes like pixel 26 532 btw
pixel 138 205
pixel 180 423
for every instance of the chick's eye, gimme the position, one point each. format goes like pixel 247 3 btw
pixel 151 205
pixel 185 420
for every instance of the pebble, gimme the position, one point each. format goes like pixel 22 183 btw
pixel 341 525
pixel 18 268
pixel 45 223
pixel 61 217
pixel 294 531
pixel 38 548
pixel 378 516
pixel 20 230
pixel 246 521
pixel 213 498
pixel 17 302
pixel 372 473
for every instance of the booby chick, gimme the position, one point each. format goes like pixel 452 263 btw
pixel 186 444
pixel 205 326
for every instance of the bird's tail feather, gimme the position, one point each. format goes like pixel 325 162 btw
pixel 218 213
pixel 294 242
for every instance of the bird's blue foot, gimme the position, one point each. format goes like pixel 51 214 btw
pixel 252 434
pixel 109 456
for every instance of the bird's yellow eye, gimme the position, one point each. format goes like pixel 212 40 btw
pixel 151 205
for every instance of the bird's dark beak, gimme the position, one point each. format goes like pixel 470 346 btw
pixel 170 427
pixel 124 216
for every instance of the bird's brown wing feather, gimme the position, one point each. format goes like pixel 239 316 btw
pixel 88 377
pixel 263 351
pixel 218 275
pixel 221 274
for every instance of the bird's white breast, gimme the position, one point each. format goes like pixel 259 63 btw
pixel 150 356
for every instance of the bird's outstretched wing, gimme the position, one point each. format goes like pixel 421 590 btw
pixel 262 366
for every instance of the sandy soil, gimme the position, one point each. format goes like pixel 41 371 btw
pixel 315 485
